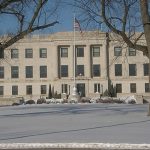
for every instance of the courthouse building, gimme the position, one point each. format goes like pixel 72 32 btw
pixel 35 63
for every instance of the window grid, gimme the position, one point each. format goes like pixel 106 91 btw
pixel 64 52
pixel 118 88
pixel 117 51
pixel 132 52
pixel 80 51
pixel 96 51
pixel 64 88
pixel 14 72
pixel 64 70
pixel 1 72
pixel 29 71
pixel 43 71
pixel 80 70
pixel 1 90
pixel 43 53
pixel 97 88
pixel 14 90
pixel 43 89
pixel 14 53
pixel 96 70
pixel 118 69
pixel 29 89
pixel 132 70
pixel 29 53
pixel 133 87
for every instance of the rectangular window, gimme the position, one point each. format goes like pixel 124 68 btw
pixel 64 52
pixel 14 72
pixel 1 90
pixel 80 70
pixel 133 87
pixel 64 88
pixel 132 52
pixel 14 90
pixel 80 51
pixel 118 69
pixel 14 53
pixel 147 89
pixel 1 72
pixel 43 89
pixel 43 71
pixel 1 53
pixel 29 89
pixel 146 70
pixel 29 71
pixel 29 53
pixel 96 88
pixel 118 88
pixel 96 51
pixel 96 70
pixel 43 53
pixel 132 69
pixel 117 51
pixel 64 70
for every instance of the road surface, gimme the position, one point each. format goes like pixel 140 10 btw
pixel 79 123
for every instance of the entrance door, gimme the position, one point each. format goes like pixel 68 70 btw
pixel 81 89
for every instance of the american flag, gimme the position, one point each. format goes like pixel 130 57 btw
pixel 77 25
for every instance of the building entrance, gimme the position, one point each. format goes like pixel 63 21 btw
pixel 81 89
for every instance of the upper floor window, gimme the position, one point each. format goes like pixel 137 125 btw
pixel 14 90
pixel 97 88
pixel 29 89
pixel 133 87
pixel 146 69
pixel 43 71
pixel 118 88
pixel 29 71
pixel 64 52
pixel 43 89
pixel 118 69
pixel 96 51
pixel 1 72
pixel 14 72
pixel 117 51
pixel 29 53
pixel 132 52
pixel 96 70
pixel 14 53
pixel 80 51
pixel 1 90
pixel 64 70
pixel 132 69
pixel 43 53
pixel 64 88
pixel 80 70
pixel 1 53
pixel 147 89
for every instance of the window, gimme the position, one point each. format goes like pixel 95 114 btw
pixel 29 71
pixel 1 90
pixel 43 89
pixel 96 51
pixel 29 89
pixel 43 71
pixel 147 87
pixel 132 69
pixel 133 87
pixel 80 51
pixel 117 51
pixel 146 70
pixel 96 88
pixel 80 70
pixel 64 88
pixel 14 90
pixel 14 72
pixel 64 52
pixel 118 69
pixel 1 72
pixel 29 53
pixel 43 53
pixel 14 53
pixel 118 88
pixel 64 70
pixel 1 53
pixel 96 70
pixel 132 52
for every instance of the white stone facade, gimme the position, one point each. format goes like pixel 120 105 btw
pixel 89 83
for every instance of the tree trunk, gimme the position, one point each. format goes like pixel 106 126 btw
pixel 146 25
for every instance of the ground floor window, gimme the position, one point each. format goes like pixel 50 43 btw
pixel 64 88
pixel 133 87
pixel 43 89
pixel 29 89
pixel 97 88
pixel 1 90
pixel 118 88
pixel 14 90
pixel 147 87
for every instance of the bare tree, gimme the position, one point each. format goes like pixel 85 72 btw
pixel 29 16
pixel 123 17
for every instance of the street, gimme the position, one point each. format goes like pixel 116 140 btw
pixel 67 123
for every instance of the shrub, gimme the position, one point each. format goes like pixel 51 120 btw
pixel 41 101
pixel 30 102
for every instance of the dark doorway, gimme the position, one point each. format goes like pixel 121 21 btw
pixel 81 89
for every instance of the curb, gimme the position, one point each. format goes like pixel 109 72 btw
pixel 100 146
